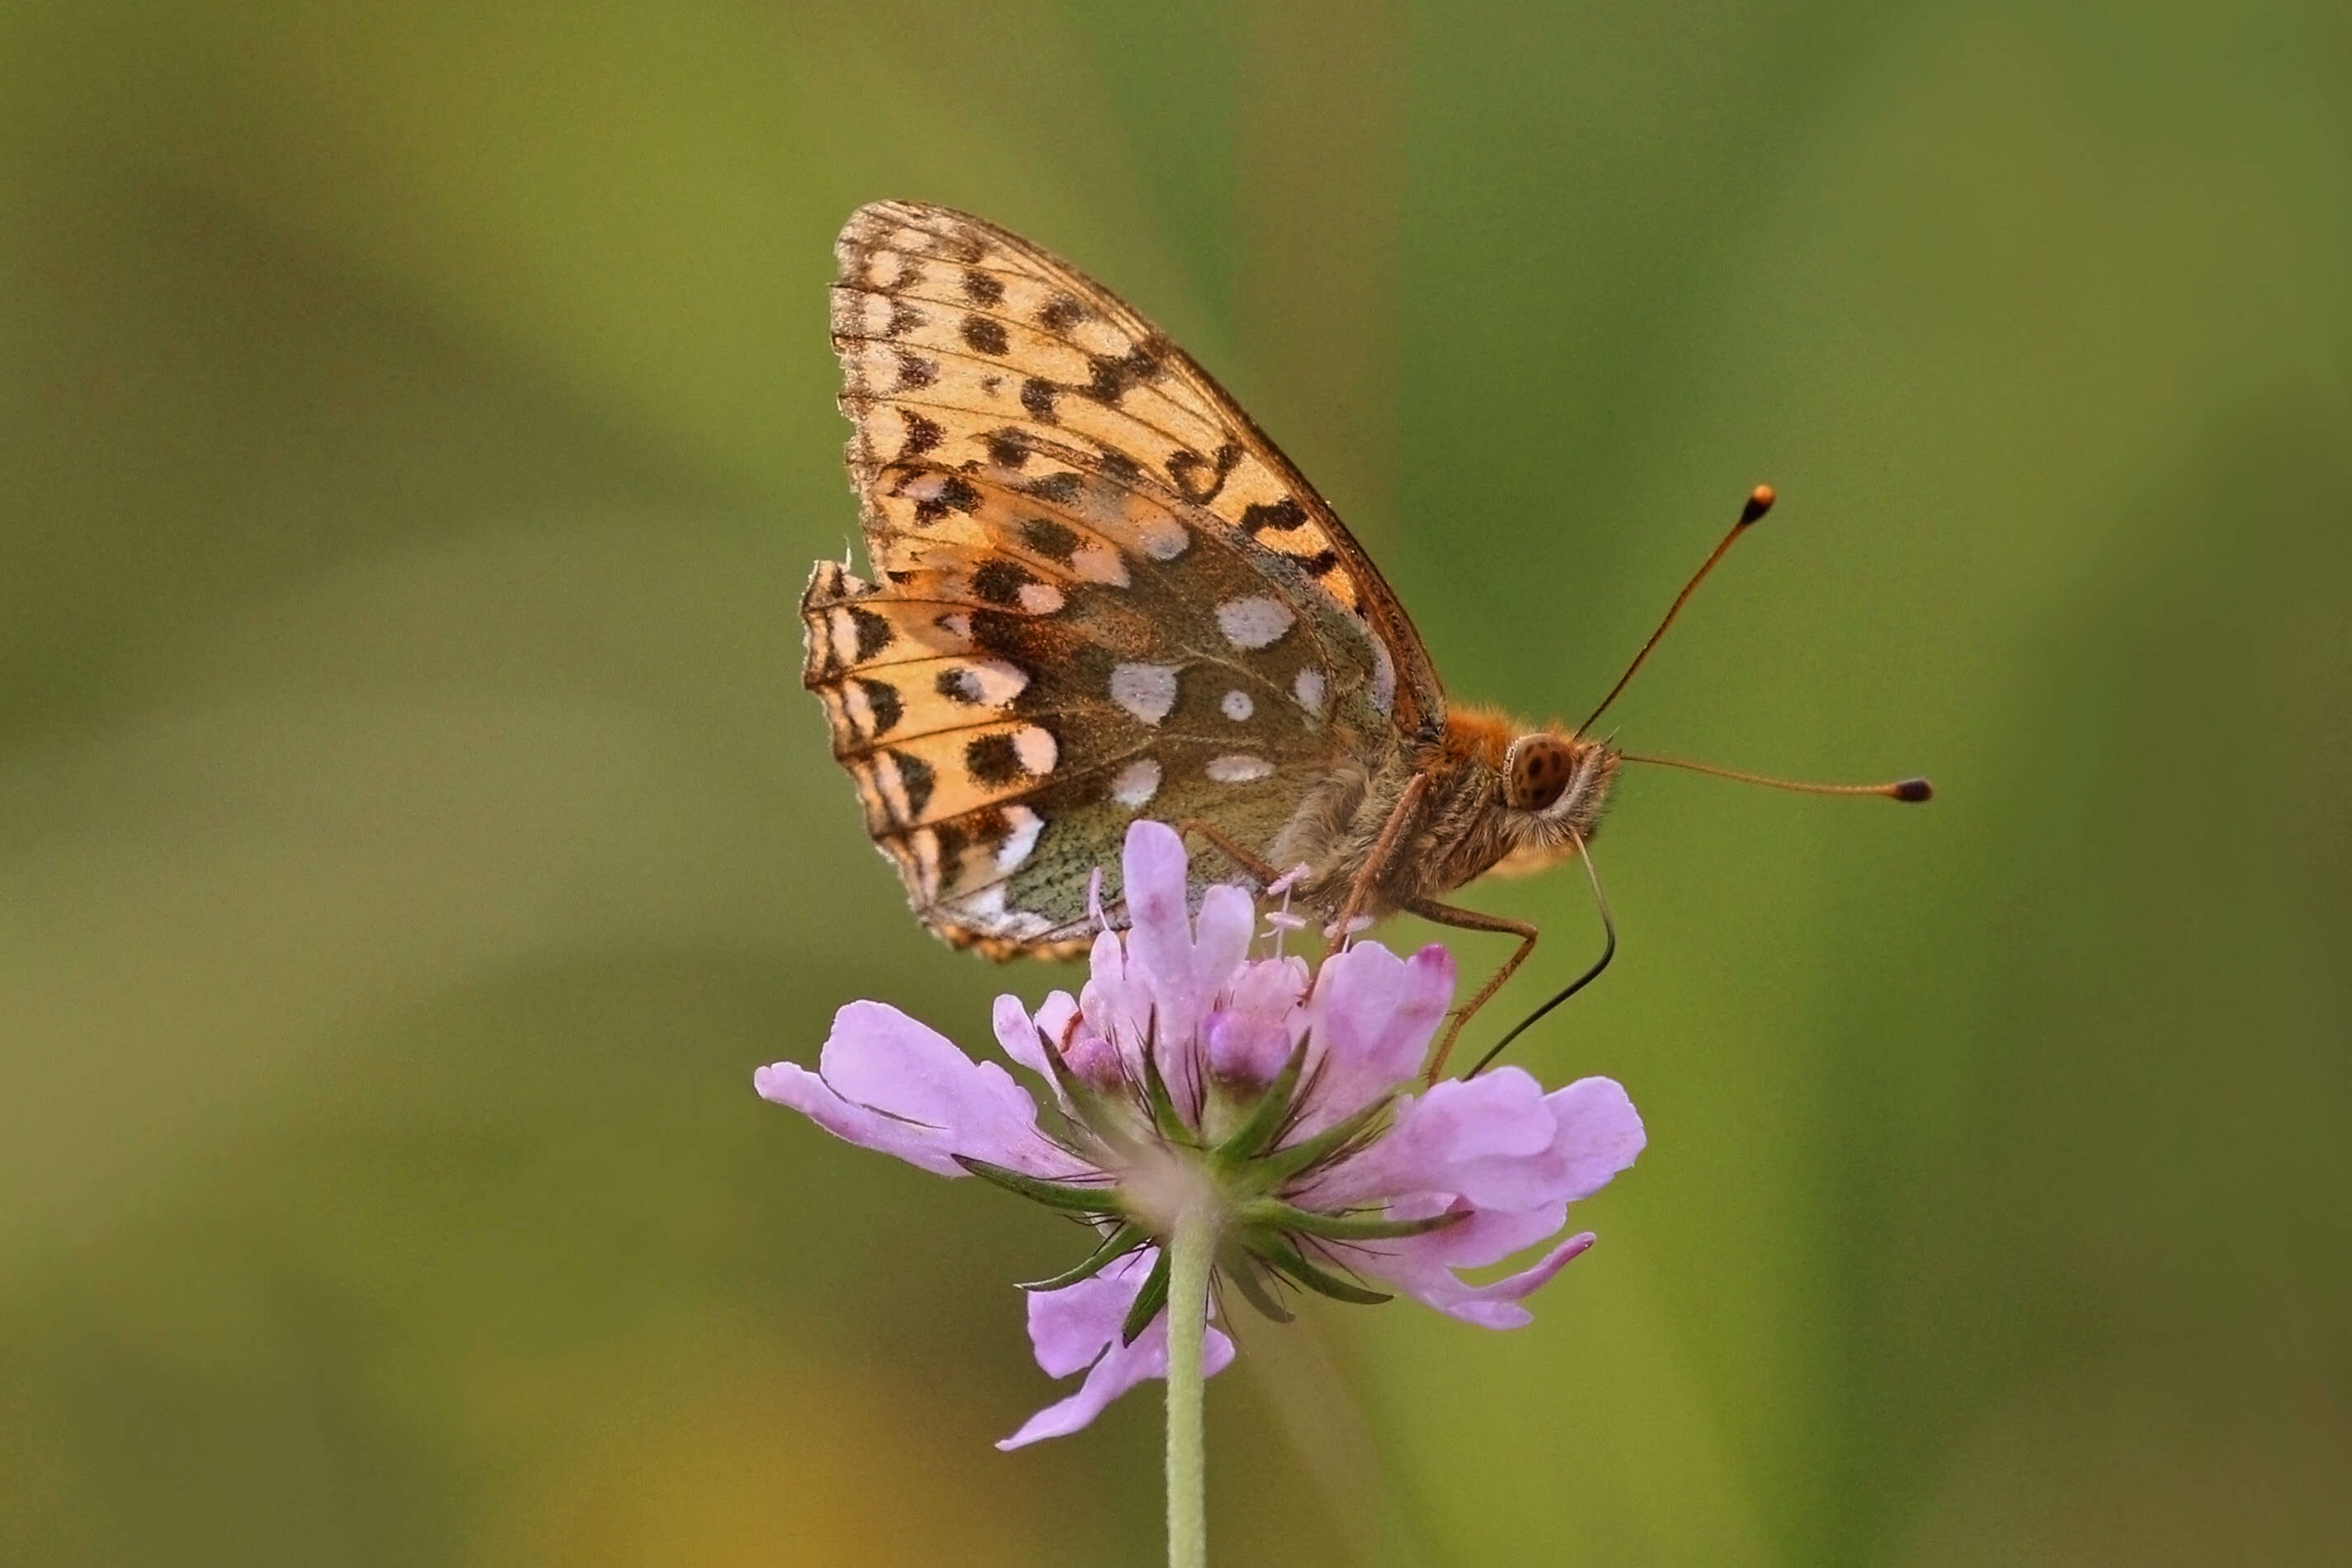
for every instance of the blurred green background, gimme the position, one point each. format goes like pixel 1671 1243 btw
pixel 416 425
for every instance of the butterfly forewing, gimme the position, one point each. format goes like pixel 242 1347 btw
pixel 1099 592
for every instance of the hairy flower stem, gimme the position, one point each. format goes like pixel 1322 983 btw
pixel 1189 1253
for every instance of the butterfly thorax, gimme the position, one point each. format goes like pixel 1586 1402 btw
pixel 1498 795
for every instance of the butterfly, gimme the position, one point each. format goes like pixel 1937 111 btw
pixel 1098 592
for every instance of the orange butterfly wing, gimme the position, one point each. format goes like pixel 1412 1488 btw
pixel 1101 589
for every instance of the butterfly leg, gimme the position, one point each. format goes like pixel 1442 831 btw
pixel 1472 920
pixel 1384 848
pixel 1256 867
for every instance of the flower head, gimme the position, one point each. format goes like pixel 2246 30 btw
pixel 1187 1077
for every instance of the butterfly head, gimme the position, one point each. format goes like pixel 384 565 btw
pixel 1528 795
pixel 1554 787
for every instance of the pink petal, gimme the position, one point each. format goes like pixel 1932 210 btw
pixel 1497 1140
pixel 1372 1016
pixel 1270 985
pixel 1483 1139
pixel 1488 1235
pixel 1054 1015
pixel 888 1083
pixel 1599 1134
pixel 1182 974
pixel 1246 1048
pixel 1071 1327
pixel 1423 1266
pixel 1016 1034
pixel 1079 1325
pixel 1113 1001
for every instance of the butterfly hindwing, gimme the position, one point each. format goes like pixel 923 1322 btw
pixel 1099 592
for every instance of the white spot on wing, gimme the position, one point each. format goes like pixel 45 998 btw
pixel 1137 783
pixel 926 861
pixel 984 912
pixel 889 785
pixel 1308 689
pixel 1034 749
pixel 1099 563
pixel 1238 769
pixel 1253 622
pixel 1040 598
pixel 843 627
pixel 988 682
pixel 1237 705
pixel 1147 691
pixel 1163 537
pixel 1026 825
pixel 859 708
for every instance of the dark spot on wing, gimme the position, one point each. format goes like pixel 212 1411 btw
pixel 915 776
pixel 983 335
pixel 874 632
pixel 922 435
pixel 1000 582
pixel 915 372
pixel 989 826
pixel 956 494
pixel 982 288
pixel 1037 396
pixel 1199 479
pixel 1007 636
pixel 991 760
pixel 1278 516
pixel 1063 487
pixel 1054 541
pixel 1112 377
pixel 883 698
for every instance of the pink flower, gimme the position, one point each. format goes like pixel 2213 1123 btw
pixel 1186 1073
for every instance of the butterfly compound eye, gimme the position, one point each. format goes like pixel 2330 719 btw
pixel 1536 771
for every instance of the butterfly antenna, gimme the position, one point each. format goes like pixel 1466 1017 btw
pixel 1609 951
pixel 1910 791
pixel 1760 501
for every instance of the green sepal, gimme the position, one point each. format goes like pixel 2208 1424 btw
pixel 1279 1215
pixel 1265 1118
pixel 1148 1301
pixel 1117 1244
pixel 1155 1088
pixel 1248 1276
pixel 1279 1166
pixel 1052 1194
pixel 1292 1264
